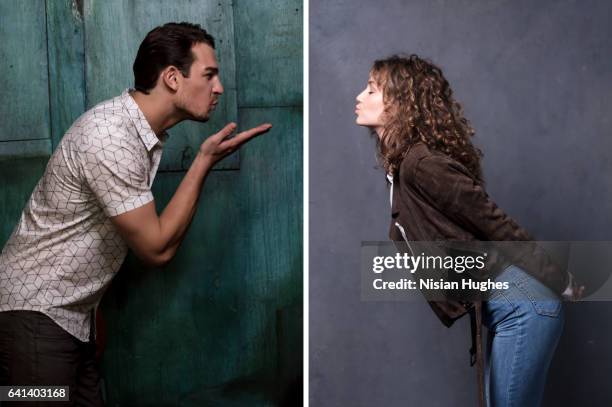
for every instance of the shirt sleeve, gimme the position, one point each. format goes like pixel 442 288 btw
pixel 450 188
pixel 116 176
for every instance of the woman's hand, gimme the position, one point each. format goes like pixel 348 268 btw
pixel 573 292
pixel 219 145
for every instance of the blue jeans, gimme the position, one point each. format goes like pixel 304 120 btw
pixel 524 326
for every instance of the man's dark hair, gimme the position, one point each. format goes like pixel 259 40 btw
pixel 169 44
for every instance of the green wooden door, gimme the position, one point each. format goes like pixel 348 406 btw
pixel 222 324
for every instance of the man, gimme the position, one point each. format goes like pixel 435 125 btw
pixel 94 201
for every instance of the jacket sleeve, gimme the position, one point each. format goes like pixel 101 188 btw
pixel 450 188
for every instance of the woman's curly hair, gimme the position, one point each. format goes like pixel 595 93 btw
pixel 419 106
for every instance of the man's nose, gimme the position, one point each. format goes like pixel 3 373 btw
pixel 218 88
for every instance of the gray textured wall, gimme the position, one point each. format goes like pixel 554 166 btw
pixel 535 79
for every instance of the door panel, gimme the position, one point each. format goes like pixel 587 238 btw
pixel 270 72
pixel 18 176
pixel 23 72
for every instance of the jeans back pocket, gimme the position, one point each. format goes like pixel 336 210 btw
pixel 543 299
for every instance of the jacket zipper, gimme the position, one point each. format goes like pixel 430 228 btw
pixel 403 232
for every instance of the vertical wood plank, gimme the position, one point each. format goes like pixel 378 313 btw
pixel 16 190
pixel 23 71
pixel 271 169
pixel 272 187
pixel 66 65
pixel 269 47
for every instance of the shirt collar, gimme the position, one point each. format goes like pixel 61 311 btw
pixel 147 135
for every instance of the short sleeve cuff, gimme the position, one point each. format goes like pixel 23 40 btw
pixel 117 208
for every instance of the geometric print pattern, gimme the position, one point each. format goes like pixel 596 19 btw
pixel 64 251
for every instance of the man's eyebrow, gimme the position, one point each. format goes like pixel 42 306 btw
pixel 211 69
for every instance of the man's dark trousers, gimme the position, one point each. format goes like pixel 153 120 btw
pixel 35 351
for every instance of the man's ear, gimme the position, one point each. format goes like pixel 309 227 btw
pixel 171 77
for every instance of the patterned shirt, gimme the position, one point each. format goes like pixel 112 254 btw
pixel 64 250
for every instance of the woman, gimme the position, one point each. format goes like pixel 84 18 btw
pixel 424 144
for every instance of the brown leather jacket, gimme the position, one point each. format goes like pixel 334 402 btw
pixel 436 198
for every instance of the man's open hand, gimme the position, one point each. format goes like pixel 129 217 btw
pixel 220 145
